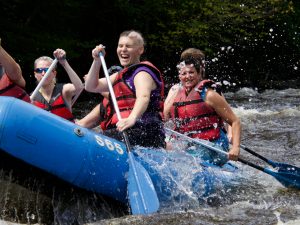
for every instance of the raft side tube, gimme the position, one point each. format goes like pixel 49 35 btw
pixel 75 154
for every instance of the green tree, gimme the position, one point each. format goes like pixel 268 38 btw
pixel 244 41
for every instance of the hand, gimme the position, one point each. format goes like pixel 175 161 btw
pixel 60 55
pixel 96 51
pixel 234 153
pixel 123 124
pixel 84 77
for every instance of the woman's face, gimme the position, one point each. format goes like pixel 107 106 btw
pixel 189 76
pixel 129 51
pixel 40 70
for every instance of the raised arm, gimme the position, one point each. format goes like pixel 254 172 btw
pixel 12 68
pixel 70 89
pixel 60 54
pixel 92 81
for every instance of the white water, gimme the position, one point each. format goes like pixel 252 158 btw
pixel 271 122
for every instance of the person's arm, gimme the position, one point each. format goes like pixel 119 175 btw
pixel 169 101
pixel 229 133
pixel 225 112
pixel 12 68
pixel 144 84
pixel 92 119
pixel 228 127
pixel 71 89
pixel 92 81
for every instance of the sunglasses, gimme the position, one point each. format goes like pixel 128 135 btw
pixel 40 70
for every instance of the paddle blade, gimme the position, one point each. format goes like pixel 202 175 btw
pixel 142 195
pixel 285 178
pixel 285 168
pixel 281 167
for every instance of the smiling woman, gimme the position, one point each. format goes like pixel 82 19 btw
pixel 198 110
pixel 139 91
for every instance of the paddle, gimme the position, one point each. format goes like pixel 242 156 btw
pixel 284 177
pixel 36 90
pixel 142 195
pixel 77 95
pixel 282 167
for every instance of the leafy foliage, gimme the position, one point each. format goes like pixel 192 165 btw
pixel 245 42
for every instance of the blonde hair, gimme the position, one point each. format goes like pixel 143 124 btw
pixel 43 58
pixel 47 59
pixel 134 35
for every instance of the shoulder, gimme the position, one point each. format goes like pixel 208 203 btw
pixel 114 76
pixel 143 75
pixel 68 87
pixel 213 98
pixel 175 88
pixel 147 67
pixel 206 84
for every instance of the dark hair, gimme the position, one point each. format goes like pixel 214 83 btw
pixel 114 69
pixel 195 54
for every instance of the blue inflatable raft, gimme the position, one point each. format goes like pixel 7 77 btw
pixel 93 161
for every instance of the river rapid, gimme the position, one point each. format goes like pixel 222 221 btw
pixel 270 122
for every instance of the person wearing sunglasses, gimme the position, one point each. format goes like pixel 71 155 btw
pixel 12 83
pixel 56 97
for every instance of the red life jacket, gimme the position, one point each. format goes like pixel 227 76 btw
pixel 8 88
pixel 126 97
pixel 57 104
pixel 194 117
pixel 106 114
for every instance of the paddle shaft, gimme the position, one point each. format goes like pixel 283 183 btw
pixel 251 164
pixel 74 99
pixel 287 178
pixel 281 166
pixel 254 153
pixel 113 98
pixel 197 141
pixel 116 107
pixel 215 149
pixel 47 74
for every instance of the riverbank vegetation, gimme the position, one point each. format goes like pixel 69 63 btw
pixel 247 43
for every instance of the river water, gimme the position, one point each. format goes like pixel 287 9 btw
pixel 270 123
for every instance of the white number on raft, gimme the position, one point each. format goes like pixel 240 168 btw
pixel 109 144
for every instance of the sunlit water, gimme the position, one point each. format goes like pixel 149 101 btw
pixel 270 127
